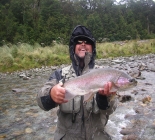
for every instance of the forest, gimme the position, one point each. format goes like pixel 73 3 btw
pixel 45 21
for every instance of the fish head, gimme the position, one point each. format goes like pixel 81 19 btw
pixel 124 82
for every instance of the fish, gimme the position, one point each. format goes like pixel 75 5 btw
pixel 91 82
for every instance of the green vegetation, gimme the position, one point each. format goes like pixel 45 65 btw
pixel 125 48
pixel 45 21
pixel 25 56
pixel 50 24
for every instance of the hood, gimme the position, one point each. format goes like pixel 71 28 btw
pixel 81 31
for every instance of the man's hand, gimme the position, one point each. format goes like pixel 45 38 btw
pixel 58 94
pixel 106 90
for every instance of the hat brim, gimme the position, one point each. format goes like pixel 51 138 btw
pixel 83 36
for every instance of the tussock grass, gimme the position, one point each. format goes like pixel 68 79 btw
pixel 25 56
pixel 125 48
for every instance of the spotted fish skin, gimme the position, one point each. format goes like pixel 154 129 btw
pixel 90 83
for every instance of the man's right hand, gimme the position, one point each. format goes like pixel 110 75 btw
pixel 58 94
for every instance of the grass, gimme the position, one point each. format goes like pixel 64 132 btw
pixel 125 48
pixel 25 56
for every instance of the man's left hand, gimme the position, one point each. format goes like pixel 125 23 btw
pixel 106 90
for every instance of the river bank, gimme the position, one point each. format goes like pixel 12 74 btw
pixel 134 119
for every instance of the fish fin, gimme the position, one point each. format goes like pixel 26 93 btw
pixel 69 95
pixel 114 87
pixel 88 97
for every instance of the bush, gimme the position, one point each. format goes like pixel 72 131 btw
pixel 7 61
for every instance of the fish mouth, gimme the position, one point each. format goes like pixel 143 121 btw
pixel 133 81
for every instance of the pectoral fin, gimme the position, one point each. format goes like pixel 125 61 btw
pixel 88 97
pixel 114 88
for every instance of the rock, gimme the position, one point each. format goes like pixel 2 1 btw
pixel 151 126
pixel 17 133
pixel 32 114
pixel 142 67
pixel 125 98
pixel 18 90
pixel 140 78
pixel 146 100
pixel 134 73
pixel 131 59
pixel 22 75
pixel 29 74
pixel 28 130
pixel 118 61
pixel 52 128
pixel 127 131
pixel 26 78
pixel 148 84
pixel 2 136
pixel 151 67
pixel 130 137
pixel 135 92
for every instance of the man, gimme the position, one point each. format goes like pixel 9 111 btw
pixel 78 120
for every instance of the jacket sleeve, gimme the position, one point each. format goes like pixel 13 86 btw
pixel 44 99
pixel 102 101
pixel 107 104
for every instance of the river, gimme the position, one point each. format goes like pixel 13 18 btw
pixel 22 119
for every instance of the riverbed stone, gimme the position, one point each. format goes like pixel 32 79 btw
pixel 18 90
pixel 28 130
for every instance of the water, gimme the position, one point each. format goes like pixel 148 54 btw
pixel 21 118
pixel 135 118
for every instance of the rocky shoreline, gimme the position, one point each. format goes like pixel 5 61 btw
pixel 137 62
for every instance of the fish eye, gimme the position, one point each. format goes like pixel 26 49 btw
pixel 132 80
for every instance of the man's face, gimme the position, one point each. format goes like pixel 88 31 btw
pixel 83 46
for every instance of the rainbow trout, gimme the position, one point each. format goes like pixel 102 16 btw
pixel 90 83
